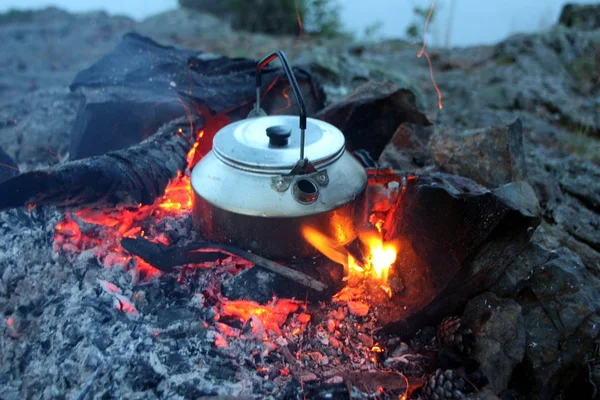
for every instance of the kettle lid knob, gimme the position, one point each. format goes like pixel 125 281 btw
pixel 278 135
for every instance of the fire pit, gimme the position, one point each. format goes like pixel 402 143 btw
pixel 238 247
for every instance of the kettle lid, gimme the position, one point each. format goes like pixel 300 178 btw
pixel 271 144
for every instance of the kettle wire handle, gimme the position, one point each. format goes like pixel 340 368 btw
pixel 297 94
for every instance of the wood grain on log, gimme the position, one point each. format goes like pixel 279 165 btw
pixel 136 175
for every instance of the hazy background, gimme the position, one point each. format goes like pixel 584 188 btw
pixel 473 21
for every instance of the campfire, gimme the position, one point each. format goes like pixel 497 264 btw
pixel 300 257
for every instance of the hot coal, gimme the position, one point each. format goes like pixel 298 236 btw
pixel 370 115
pixel 139 86
pixel 8 168
pixel 127 177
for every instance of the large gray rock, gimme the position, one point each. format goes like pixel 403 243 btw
pixel 456 239
pixel 499 332
pixel 407 150
pixel 489 156
pixel 580 16
pixel 568 189
pixel 369 116
pixel 559 299
pixel 186 23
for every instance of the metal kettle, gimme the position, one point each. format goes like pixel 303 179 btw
pixel 267 177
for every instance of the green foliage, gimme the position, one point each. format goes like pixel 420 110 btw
pixel 319 17
pixel 416 28
pixel 266 16
pixel 322 18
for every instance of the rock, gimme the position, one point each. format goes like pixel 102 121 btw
pixel 490 156
pixel 581 180
pixel 370 115
pixel 568 189
pixel 521 196
pixel 580 16
pixel 482 395
pixel 547 70
pixel 559 301
pixel 407 150
pixel 143 85
pixel 472 236
pixel 187 23
pixel 499 332
pixel 333 69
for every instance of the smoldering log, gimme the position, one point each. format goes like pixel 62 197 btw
pixel 128 177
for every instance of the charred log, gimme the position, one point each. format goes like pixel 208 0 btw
pixel 261 285
pixel 127 177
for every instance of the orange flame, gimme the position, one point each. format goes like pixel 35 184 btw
pixel 381 255
pixel 423 51
pixel 379 260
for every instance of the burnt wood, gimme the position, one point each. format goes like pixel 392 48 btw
pixel 167 258
pixel 136 175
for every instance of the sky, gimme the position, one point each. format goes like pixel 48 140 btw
pixel 472 21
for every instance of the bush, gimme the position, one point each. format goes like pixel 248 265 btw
pixel 319 17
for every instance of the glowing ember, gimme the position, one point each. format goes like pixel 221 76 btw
pixel 272 316
pixel 108 227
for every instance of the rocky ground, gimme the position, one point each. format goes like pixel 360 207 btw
pixel 51 343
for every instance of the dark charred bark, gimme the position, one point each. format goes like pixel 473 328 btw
pixel 136 175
